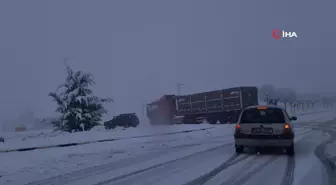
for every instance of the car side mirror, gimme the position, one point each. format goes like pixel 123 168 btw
pixel 293 118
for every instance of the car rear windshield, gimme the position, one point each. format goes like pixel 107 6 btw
pixel 269 115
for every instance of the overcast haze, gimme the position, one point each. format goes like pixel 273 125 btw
pixel 138 50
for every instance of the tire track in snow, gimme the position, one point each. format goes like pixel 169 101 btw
pixel 157 175
pixel 321 155
pixel 92 171
pixel 250 174
pixel 234 159
pixel 288 178
pixel 247 166
pixel 159 165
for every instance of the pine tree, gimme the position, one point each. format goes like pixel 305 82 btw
pixel 80 110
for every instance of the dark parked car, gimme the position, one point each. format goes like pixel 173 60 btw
pixel 122 120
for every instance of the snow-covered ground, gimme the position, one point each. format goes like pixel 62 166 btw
pixel 56 161
pixel 330 148
pixel 331 152
pixel 37 165
pixel 317 116
pixel 41 138
pixel 16 140
pixel 169 159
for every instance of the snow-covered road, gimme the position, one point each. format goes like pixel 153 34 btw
pixel 210 162
pixel 206 157
pixel 220 166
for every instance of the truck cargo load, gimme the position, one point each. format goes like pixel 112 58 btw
pixel 215 106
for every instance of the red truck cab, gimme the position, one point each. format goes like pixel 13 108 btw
pixel 161 111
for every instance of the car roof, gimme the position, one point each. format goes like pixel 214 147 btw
pixel 269 106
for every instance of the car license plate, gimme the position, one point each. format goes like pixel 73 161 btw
pixel 262 130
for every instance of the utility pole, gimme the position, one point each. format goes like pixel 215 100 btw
pixel 178 86
pixel 143 107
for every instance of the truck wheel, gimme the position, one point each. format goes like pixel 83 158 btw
pixel 212 120
pixel 189 120
pixel 223 121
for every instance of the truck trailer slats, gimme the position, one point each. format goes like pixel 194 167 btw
pixel 213 106
pixel 213 101
pixel 214 95
pixel 197 97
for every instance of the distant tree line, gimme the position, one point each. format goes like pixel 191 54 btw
pixel 292 100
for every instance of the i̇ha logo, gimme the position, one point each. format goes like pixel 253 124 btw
pixel 278 34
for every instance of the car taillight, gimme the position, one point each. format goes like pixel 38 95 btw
pixel 287 126
pixel 288 129
pixel 237 128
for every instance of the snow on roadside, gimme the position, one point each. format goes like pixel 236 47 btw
pixel 331 151
pixel 317 117
pixel 16 140
pixel 317 107
pixel 41 164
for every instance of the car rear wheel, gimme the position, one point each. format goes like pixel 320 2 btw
pixel 290 150
pixel 239 149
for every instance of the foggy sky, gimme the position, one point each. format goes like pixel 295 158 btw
pixel 138 50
